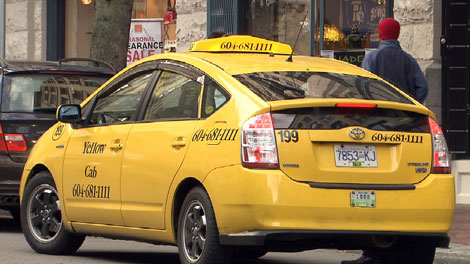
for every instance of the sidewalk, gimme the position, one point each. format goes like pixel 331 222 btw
pixel 460 230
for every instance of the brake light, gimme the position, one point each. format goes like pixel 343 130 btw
pixel 440 156
pixel 15 142
pixel 3 145
pixel 259 143
pixel 355 105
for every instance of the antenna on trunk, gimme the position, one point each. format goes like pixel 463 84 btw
pixel 295 43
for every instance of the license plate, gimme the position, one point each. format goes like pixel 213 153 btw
pixel 363 199
pixel 349 155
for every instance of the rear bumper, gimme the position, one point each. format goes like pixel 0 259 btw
pixel 9 182
pixel 269 202
pixel 295 240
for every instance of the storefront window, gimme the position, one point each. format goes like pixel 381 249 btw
pixel 280 20
pixel 152 29
pixel 340 25
pixel 140 9
pixel 352 24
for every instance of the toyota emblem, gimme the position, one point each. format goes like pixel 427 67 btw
pixel 357 133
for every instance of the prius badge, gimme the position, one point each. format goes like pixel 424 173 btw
pixel 357 133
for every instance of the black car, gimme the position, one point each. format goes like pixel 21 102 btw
pixel 30 93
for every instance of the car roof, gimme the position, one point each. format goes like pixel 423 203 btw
pixel 22 66
pixel 239 63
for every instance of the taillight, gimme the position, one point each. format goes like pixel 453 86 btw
pixel 3 145
pixel 440 156
pixel 15 142
pixel 259 143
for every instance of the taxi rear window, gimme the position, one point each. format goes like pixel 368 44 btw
pixel 273 86
pixel 379 119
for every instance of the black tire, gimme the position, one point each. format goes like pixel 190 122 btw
pixel 198 236
pixel 41 218
pixel 411 254
pixel 249 253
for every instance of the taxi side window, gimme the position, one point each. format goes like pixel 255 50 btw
pixel 121 104
pixel 175 97
pixel 213 98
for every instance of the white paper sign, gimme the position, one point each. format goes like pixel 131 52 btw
pixel 145 39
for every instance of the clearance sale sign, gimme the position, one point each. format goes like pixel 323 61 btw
pixel 145 39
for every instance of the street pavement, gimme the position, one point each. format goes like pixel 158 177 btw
pixel 14 249
pixel 460 230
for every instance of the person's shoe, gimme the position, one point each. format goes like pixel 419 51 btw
pixel 362 260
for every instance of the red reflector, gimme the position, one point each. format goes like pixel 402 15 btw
pixel 261 165
pixel 354 105
pixel 443 170
pixel 15 142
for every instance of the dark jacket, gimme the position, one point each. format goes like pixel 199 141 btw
pixel 396 66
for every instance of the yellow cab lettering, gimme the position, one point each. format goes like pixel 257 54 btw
pixel 215 134
pixel 91 172
pixel 58 132
pixel 93 148
pixel 240 44
pixel 91 191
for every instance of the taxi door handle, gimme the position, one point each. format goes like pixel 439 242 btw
pixel 116 146
pixel 179 142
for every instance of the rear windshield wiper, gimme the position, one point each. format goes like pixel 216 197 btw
pixel 45 109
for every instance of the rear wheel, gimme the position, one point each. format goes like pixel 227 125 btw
pixel 41 218
pixel 198 236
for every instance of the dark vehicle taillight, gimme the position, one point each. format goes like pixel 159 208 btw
pixel 3 145
pixel 15 142
pixel 12 142
pixel 259 143
pixel 440 157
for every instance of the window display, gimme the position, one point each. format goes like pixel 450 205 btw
pixel 347 24
pixel 158 9
pixel 352 24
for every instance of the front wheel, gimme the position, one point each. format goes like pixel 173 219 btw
pixel 198 236
pixel 41 218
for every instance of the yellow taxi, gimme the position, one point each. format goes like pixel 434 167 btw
pixel 236 148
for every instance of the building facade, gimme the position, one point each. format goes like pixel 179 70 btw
pixel 435 32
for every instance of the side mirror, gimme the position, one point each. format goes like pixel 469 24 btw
pixel 69 113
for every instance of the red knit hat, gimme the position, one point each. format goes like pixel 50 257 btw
pixel 389 28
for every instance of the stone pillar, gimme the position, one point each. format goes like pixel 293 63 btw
pixel 191 24
pixel 420 33
pixel 25 29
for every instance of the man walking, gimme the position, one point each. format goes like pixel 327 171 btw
pixel 393 64
pixel 399 68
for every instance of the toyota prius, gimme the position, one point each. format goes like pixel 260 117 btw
pixel 237 148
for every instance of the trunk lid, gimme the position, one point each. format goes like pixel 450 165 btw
pixel 353 141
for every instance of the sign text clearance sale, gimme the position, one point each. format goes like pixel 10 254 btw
pixel 145 39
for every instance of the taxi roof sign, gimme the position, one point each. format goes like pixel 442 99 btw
pixel 242 44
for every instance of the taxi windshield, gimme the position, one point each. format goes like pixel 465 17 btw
pixel 277 85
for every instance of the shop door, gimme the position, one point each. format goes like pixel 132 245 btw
pixel 455 52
